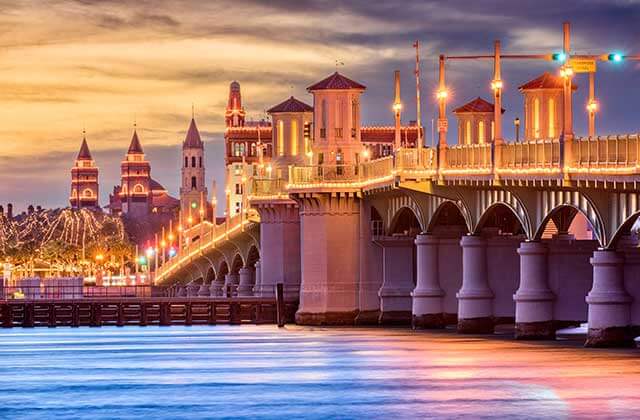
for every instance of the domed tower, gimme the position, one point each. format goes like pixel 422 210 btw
pixel 84 179
pixel 336 104
pixel 290 135
pixel 234 115
pixel 193 192
pixel 135 173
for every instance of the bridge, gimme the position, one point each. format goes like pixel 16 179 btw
pixel 535 233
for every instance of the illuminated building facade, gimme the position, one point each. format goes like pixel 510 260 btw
pixel 84 180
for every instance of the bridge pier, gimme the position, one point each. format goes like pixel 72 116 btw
pixel 371 271
pixel 246 283
pixel 475 298
pixel 534 299
pixel 279 248
pixel 231 284
pixel 398 283
pixel 330 235
pixel 609 303
pixel 428 296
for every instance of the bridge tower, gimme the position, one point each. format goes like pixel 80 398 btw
pixel 336 108
pixel 193 192
pixel 235 114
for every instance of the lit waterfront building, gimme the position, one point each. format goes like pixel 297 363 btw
pixel 84 180
pixel 193 191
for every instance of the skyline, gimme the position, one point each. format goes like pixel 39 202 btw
pixel 121 63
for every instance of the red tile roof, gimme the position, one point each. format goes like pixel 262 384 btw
pixel 192 140
pixel 248 133
pixel 476 105
pixel 545 81
pixel 387 134
pixel 338 82
pixel 291 105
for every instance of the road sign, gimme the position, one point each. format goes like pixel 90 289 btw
pixel 583 65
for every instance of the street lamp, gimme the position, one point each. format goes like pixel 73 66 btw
pixel 516 123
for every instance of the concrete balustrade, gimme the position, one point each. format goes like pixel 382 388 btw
pixel 428 309
pixel 534 299
pixel 475 298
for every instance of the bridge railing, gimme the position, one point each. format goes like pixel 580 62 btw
pixel 606 151
pixel 466 157
pixel 530 155
pixel 413 159
pixel 377 169
pixel 268 187
pixel 324 174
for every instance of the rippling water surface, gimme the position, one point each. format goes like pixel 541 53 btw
pixel 261 371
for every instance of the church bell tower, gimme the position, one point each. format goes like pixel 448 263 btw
pixel 193 192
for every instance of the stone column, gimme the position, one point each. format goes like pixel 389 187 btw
pixel 258 282
pixel 609 303
pixel 204 290
pixel 245 286
pixel 216 287
pixel 428 295
pixel 231 279
pixel 534 299
pixel 475 298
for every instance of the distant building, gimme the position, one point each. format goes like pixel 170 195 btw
pixel 138 195
pixel 193 192
pixel 84 180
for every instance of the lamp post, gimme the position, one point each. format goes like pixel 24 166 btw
pixel 516 123
pixel 592 106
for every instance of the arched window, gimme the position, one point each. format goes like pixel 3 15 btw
pixel 138 188
pixel 481 133
pixel 294 138
pixel 280 144
pixel 536 118
pixel 193 182
pixel 186 161
pixel 200 162
pixel 552 118
pixel 323 118
pixel 193 161
pixel 87 193
pixel 467 134
pixel 124 189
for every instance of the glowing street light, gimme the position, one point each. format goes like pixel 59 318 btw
pixel 442 94
pixel 592 106
pixel 496 84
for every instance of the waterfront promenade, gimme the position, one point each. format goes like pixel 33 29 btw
pixel 306 372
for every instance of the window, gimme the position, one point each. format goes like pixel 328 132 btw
pixel 294 138
pixel 193 161
pixel 193 183
pixel 339 162
pixel 354 117
pixel 200 162
pixel 239 189
pixel 552 118
pixel 481 133
pixel 280 144
pixel 253 150
pixel 323 119
pixel 467 134
pixel 536 118
pixel 237 207
pixel 339 133
pixel 307 137
pixel 186 162
pixel 87 193
pixel 138 189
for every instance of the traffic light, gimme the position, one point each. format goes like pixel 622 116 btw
pixel 615 57
pixel 560 56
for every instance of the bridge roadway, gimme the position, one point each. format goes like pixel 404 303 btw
pixel 476 235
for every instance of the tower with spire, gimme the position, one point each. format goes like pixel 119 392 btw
pixel 193 192
pixel 234 115
pixel 84 179
pixel 135 184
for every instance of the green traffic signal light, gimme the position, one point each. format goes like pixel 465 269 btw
pixel 615 57
pixel 561 57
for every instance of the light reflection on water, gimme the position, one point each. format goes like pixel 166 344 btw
pixel 260 371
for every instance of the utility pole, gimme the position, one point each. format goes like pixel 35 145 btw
pixel 397 108
pixel 496 85
pixel 418 117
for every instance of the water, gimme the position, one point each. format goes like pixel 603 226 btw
pixel 261 371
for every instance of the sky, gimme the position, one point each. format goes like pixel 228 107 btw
pixel 101 65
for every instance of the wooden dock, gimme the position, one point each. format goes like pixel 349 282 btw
pixel 97 312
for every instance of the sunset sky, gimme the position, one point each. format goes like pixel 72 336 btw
pixel 101 64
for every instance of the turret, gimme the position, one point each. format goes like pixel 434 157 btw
pixel 234 115
pixel 336 104
pixel 292 120
pixel 84 179
pixel 543 113
pixel 193 192
pixel 135 174
pixel 475 122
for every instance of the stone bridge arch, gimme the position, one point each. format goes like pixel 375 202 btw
pixel 485 201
